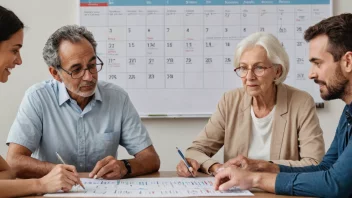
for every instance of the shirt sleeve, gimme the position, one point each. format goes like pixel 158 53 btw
pixel 336 181
pixel 134 136
pixel 210 139
pixel 27 128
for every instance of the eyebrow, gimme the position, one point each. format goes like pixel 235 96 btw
pixel 93 58
pixel 78 64
pixel 314 59
pixel 18 45
pixel 253 64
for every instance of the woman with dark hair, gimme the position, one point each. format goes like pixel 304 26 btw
pixel 61 177
pixel 11 39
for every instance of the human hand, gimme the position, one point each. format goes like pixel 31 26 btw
pixel 61 177
pixel 109 168
pixel 215 168
pixel 234 176
pixel 183 171
pixel 252 165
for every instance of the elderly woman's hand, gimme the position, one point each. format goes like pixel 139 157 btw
pixel 252 165
pixel 183 171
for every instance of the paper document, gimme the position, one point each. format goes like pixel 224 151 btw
pixel 150 187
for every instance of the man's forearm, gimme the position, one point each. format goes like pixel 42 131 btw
pixel 265 181
pixel 144 165
pixel 28 167
pixel 8 174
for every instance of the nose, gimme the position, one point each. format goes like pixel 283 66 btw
pixel 18 60
pixel 87 75
pixel 312 74
pixel 250 74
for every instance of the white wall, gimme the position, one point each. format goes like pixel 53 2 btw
pixel 43 17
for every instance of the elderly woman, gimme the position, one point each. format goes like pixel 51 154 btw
pixel 62 176
pixel 266 120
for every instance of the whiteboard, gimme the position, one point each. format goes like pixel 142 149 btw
pixel 175 57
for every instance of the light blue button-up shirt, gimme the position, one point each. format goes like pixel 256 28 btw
pixel 49 121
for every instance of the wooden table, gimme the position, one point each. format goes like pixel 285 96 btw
pixel 256 192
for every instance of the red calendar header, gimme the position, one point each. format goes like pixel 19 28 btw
pixel 93 4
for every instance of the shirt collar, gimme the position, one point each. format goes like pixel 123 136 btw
pixel 349 108
pixel 64 96
pixel 97 95
pixel 347 112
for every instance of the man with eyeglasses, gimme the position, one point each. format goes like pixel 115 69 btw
pixel 82 119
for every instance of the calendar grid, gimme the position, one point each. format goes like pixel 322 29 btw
pixel 244 12
pixel 187 46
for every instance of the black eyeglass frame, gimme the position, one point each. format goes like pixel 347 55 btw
pixel 101 64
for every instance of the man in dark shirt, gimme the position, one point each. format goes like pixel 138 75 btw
pixel 330 52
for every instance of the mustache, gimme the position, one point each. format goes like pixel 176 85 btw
pixel 319 82
pixel 91 83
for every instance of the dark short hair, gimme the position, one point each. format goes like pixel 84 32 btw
pixel 339 31
pixel 9 24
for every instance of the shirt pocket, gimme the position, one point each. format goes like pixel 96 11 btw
pixel 105 144
pixel 107 140
pixel 109 137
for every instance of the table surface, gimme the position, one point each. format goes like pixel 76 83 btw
pixel 256 192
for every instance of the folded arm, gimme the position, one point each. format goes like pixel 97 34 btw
pixel 146 161
pixel 5 170
pixel 23 165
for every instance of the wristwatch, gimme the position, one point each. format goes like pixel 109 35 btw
pixel 128 166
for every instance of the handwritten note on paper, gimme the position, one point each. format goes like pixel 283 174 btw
pixel 150 187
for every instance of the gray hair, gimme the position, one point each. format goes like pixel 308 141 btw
pixel 274 50
pixel 72 33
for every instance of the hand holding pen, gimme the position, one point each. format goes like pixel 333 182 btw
pixel 186 167
pixel 61 177
pixel 72 169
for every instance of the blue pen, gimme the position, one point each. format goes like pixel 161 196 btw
pixel 190 169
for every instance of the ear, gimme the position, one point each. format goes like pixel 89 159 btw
pixel 53 71
pixel 278 71
pixel 347 62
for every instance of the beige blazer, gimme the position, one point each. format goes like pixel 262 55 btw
pixel 297 139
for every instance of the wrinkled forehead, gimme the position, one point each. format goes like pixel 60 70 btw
pixel 253 55
pixel 81 51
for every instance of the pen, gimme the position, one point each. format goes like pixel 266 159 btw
pixel 190 169
pixel 62 161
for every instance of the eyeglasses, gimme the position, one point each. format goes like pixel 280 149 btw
pixel 257 71
pixel 79 72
